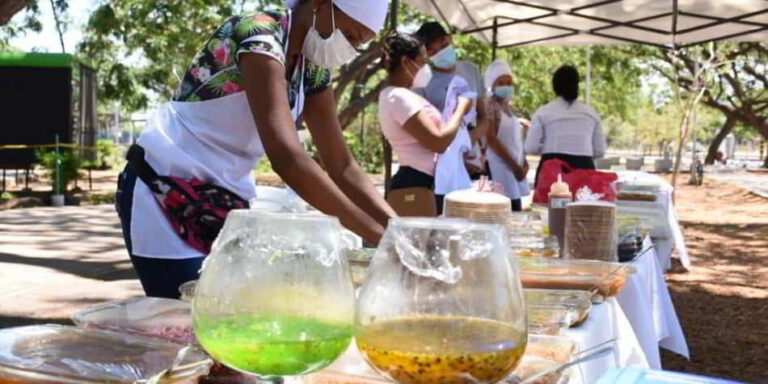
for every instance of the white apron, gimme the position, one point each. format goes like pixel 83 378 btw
pixel 511 137
pixel 450 172
pixel 215 141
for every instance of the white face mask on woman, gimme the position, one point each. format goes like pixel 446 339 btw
pixel 329 53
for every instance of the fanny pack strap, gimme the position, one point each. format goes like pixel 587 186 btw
pixel 135 157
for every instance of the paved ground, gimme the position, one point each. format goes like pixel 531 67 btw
pixel 756 183
pixel 56 261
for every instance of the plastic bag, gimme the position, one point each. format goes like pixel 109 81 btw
pixel 599 182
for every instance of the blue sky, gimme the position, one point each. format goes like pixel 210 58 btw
pixel 48 40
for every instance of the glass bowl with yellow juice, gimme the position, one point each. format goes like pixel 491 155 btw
pixel 442 303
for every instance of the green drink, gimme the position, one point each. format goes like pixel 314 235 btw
pixel 271 346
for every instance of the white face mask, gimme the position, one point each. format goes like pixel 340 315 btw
pixel 329 53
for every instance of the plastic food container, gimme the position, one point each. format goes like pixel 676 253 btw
pixel 606 278
pixel 534 246
pixel 542 353
pixel 54 354
pixel 148 316
pixel 645 376
pixel 359 260
pixel 548 319
pixel 578 303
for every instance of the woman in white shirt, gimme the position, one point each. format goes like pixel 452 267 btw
pixel 413 126
pixel 566 129
pixel 506 158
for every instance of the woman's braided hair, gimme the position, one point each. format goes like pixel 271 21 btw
pixel 397 45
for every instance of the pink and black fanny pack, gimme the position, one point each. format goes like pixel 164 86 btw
pixel 195 209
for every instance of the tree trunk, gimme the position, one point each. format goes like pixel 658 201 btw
pixel 8 8
pixel 727 127
pixel 765 162
pixel 59 26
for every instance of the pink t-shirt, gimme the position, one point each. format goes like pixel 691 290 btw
pixel 396 106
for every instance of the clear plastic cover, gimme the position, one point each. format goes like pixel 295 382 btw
pixel 54 354
pixel 605 278
pixel 163 318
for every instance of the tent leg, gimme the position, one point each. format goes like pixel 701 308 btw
pixel 495 42
pixel 589 75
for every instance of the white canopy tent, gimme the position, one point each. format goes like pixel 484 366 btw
pixel 663 23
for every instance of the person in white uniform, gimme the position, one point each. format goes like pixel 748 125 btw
pixel 566 129
pixel 239 100
pixel 506 158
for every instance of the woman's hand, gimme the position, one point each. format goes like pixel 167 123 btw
pixel 265 85
pixel 464 105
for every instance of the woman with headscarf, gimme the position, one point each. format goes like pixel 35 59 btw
pixel 566 129
pixel 413 126
pixel 240 99
pixel 506 158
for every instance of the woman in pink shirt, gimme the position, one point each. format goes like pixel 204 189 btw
pixel 410 123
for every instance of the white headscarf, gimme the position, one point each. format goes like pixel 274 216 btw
pixel 497 69
pixel 371 13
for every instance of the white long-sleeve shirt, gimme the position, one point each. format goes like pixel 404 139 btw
pixel 572 129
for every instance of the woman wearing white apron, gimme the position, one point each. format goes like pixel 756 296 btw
pixel 239 100
pixel 506 158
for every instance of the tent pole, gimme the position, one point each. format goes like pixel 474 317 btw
pixel 589 75
pixel 495 42
pixel 393 14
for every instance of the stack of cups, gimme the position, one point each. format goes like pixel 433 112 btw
pixel 590 231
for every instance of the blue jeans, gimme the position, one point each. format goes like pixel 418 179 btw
pixel 159 277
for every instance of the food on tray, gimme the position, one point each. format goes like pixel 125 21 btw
pixel 578 303
pixel 548 320
pixel 530 366
pixel 442 349
pixel 60 354
pixel 608 279
pixel 636 196
pixel 163 318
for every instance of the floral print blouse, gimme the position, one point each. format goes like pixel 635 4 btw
pixel 215 73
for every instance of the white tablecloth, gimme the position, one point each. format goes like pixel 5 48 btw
pixel 606 322
pixel 646 302
pixel 668 235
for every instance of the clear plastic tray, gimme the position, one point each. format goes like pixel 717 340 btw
pixel 579 303
pixel 559 349
pixel 54 354
pixel 548 319
pixel 605 278
pixel 162 318
pixel 542 353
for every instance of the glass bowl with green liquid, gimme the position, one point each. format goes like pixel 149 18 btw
pixel 275 297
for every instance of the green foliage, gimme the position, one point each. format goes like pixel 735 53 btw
pixel 263 166
pixel 367 150
pixel 7 196
pixel 106 154
pixel 69 165
pixel 105 198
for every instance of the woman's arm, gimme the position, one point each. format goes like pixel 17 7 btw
pixel 492 136
pixel 265 85
pixel 598 142
pixel 534 143
pixel 432 136
pixel 323 123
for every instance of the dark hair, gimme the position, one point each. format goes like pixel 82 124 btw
pixel 431 31
pixel 397 45
pixel 565 83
